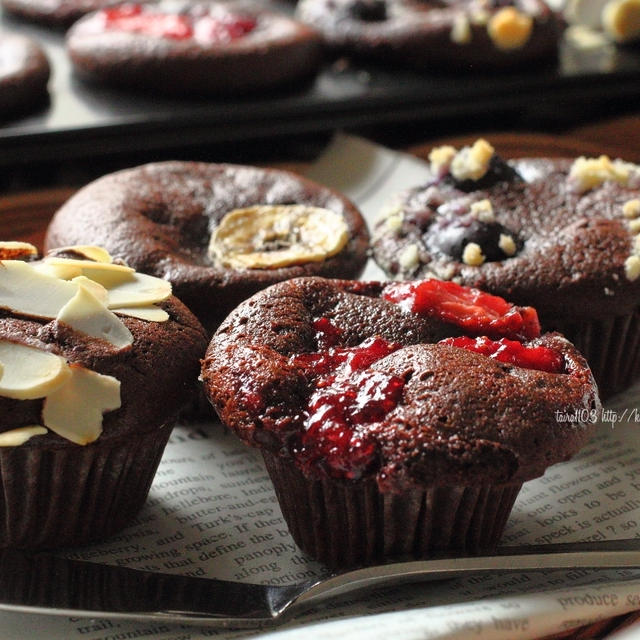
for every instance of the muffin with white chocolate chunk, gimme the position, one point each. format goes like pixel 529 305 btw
pixel 557 234
pixel 218 232
pixel 95 362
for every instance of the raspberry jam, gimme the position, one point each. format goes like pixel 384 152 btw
pixel 470 309
pixel 347 398
pixel 512 352
pixel 207 27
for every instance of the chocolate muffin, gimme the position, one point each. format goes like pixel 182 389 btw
pixel 208 48
pixel 437 36
pixel 397 418
pixel 53 13
pixel 24 74
pixel 560 235
pixel 218 232
pixel 96 361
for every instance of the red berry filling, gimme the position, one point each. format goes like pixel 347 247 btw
pixel 512 352
pixel 473 310
pixel 346 399
pixel 210 27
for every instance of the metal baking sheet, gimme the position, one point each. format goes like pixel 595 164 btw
pixel 84 120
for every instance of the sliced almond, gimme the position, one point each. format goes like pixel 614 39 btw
pixel 91 252
pixel 12 250
pixel 60 271
pixel 29 373
pixel 95 288
pixel 27 291
pixel 150 313
pixel 139 290
pixel 16 437
pixel 85 313
pixel 74 411
pixel 272 236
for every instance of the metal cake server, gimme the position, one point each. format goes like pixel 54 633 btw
pixel 48 584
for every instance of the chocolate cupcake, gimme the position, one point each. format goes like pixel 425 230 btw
pixel 437 36
pixel 24 74
pixel 396 418
pixel 218 232
pixel 53 13
pixel 558 234
pixel 207 48
pixel 96 361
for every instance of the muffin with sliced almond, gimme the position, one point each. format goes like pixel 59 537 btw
pixel 559 234
pixel 217 232
pixel 96 360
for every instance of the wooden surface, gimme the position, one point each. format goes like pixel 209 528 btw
pixel 25 217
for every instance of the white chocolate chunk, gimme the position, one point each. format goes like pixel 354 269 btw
pixel 12 250
pixel 74 411
pixel 150 313
pixel 29 373
pixel 588 173
pixel 272 236
pixel 27 291
pixel 631 208
pixel 16 437
pixel 621 20
pixel 85 313
pixel 138 290
pixel 507 244
pixel 441 158
pixel 509 28
pixel 409 258
pixel 632 268
pixel 483 210
pixel 472 255
pixel 461 29
pixel 472 163
pixel 634 226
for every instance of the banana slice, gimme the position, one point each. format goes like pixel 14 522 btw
pixel 271 236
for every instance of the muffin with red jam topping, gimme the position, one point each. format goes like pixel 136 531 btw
pixel 437 35
pixel 207 48
pixel 396 418
pixel 218 232
pixel 95 362
pixel 558 234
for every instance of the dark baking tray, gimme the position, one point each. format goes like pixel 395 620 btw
pixel 83 121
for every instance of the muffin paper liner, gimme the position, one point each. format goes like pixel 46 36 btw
pixel 350 524
pixel 611 347
pixel 65 495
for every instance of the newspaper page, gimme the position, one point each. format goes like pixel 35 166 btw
pixel 212 513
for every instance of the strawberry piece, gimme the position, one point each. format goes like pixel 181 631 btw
pixel 511 352
pixel 134 19
pixel 473 310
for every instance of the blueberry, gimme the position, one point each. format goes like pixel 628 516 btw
pixel 451 236
pixel 499 171
pixel 369 10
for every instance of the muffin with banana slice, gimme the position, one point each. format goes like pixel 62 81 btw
pixel 217 232
pixel 95 362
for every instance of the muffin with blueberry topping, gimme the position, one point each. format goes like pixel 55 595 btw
pixel 437 35
pixel 558 234
pixel 396 418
